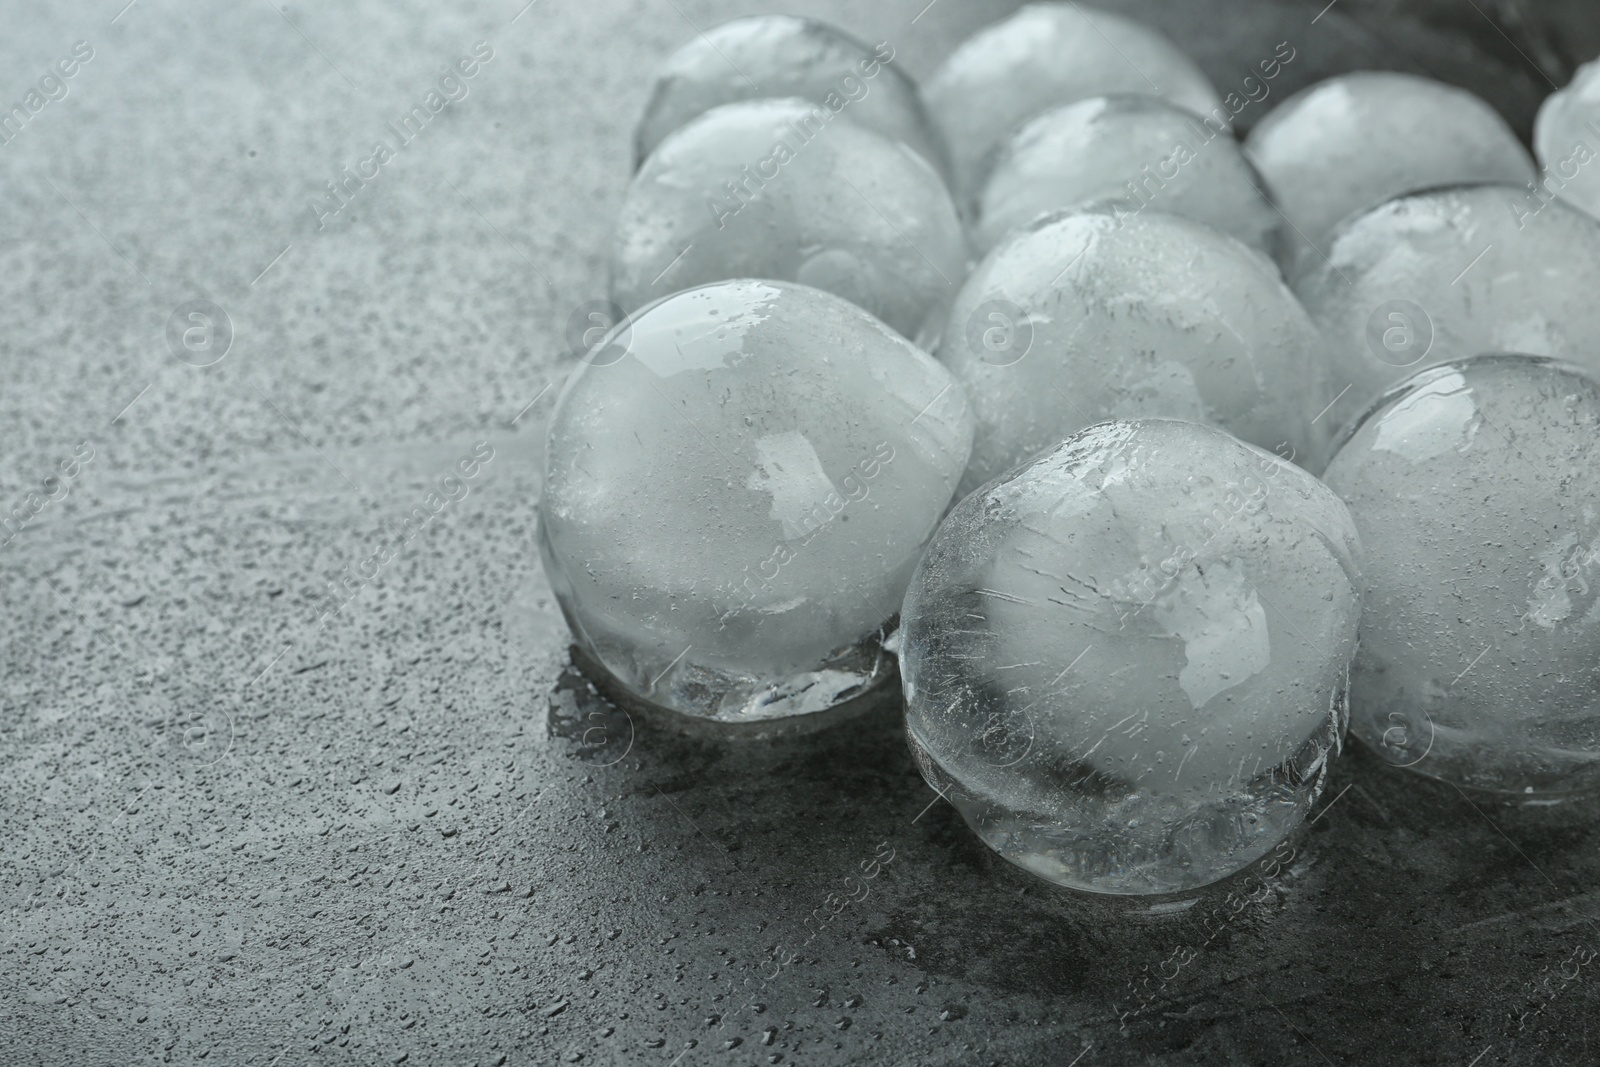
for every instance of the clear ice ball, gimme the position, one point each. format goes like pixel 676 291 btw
pixel 782 55
pixel 785 189
pixel 1136 150
pixel 1101 314
pixel 737 486
pixel 1352 142
pixel 1475 486
pixel 1043 56
pixel 1125 662
pixel 1566 136
pixel 1447 274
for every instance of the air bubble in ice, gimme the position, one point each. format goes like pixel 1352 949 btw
pixel 1045 55
pixel 786 189
pixel 1352 142
pixel 1448 274
pixel 735 496
pixel 1139 151
pixel 1125 662
pixel 1475 486
pixel 1104 314
pixel 782 55
pixel 1566 136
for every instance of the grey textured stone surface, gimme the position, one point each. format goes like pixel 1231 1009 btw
pixel 232 832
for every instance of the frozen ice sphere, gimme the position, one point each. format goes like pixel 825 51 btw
pixel 1137 150
pixel 1350 143
pixel 1475 486
pixel 781 55
pixel 1447 274
pixel 1100 314
pixel 1045 55
pixel 1125 662
pixel 737 486
pixel 784 189
pixel 1566 136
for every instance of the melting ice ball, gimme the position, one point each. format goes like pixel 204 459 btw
pixel 781 55
pixel 1350 143
pixel 1104 314
pixel 1138 151
pixel 785 189
pixel 1448 274
pixel 1125 662
pixel 1046 55
pixel 737 486
pixel 1476 488
pixel 1566 135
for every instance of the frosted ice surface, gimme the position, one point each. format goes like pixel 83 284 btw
pixel 778 56
pixel 737 486
pixel 1566 136
pixel 1138 150
pixel 1125 662
pixel 1447 274
pixel 1349 143
pixel 1043 56
pixel 1104 313
pixel 786 189
pixel 1475 486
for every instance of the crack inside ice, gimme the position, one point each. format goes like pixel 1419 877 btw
pixel 1438 417
pixel 1223 626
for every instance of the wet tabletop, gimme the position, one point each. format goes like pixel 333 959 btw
pixel 294 766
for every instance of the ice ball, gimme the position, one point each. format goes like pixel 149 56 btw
pixel 738 483
pixel 1045 55
pixel 1566 136
pixel 1447 274
pixel 788 190
pixel 779 56
pixel 1125 662
pixel 1137 150
pixel 1104 314
pixel 1352 142
pixel 1475 486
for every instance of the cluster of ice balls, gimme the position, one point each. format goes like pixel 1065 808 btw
pixel 1199 412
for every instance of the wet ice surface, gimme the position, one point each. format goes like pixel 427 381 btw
pixel 1350 143
pixel 1138 150
pixel 1476 489
pixel 1566 137
pixel 1448 274
pixel 736 490
pixel 1043 56
pixel 1105 314
pixel 786 189
pixel 779 56
pixel 1125 663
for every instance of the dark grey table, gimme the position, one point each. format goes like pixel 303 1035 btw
pixel 249 820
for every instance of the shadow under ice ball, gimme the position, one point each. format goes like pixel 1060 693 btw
pixel 784 189
pixel 1125 662
pixel 1476 488
pixel 736 491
